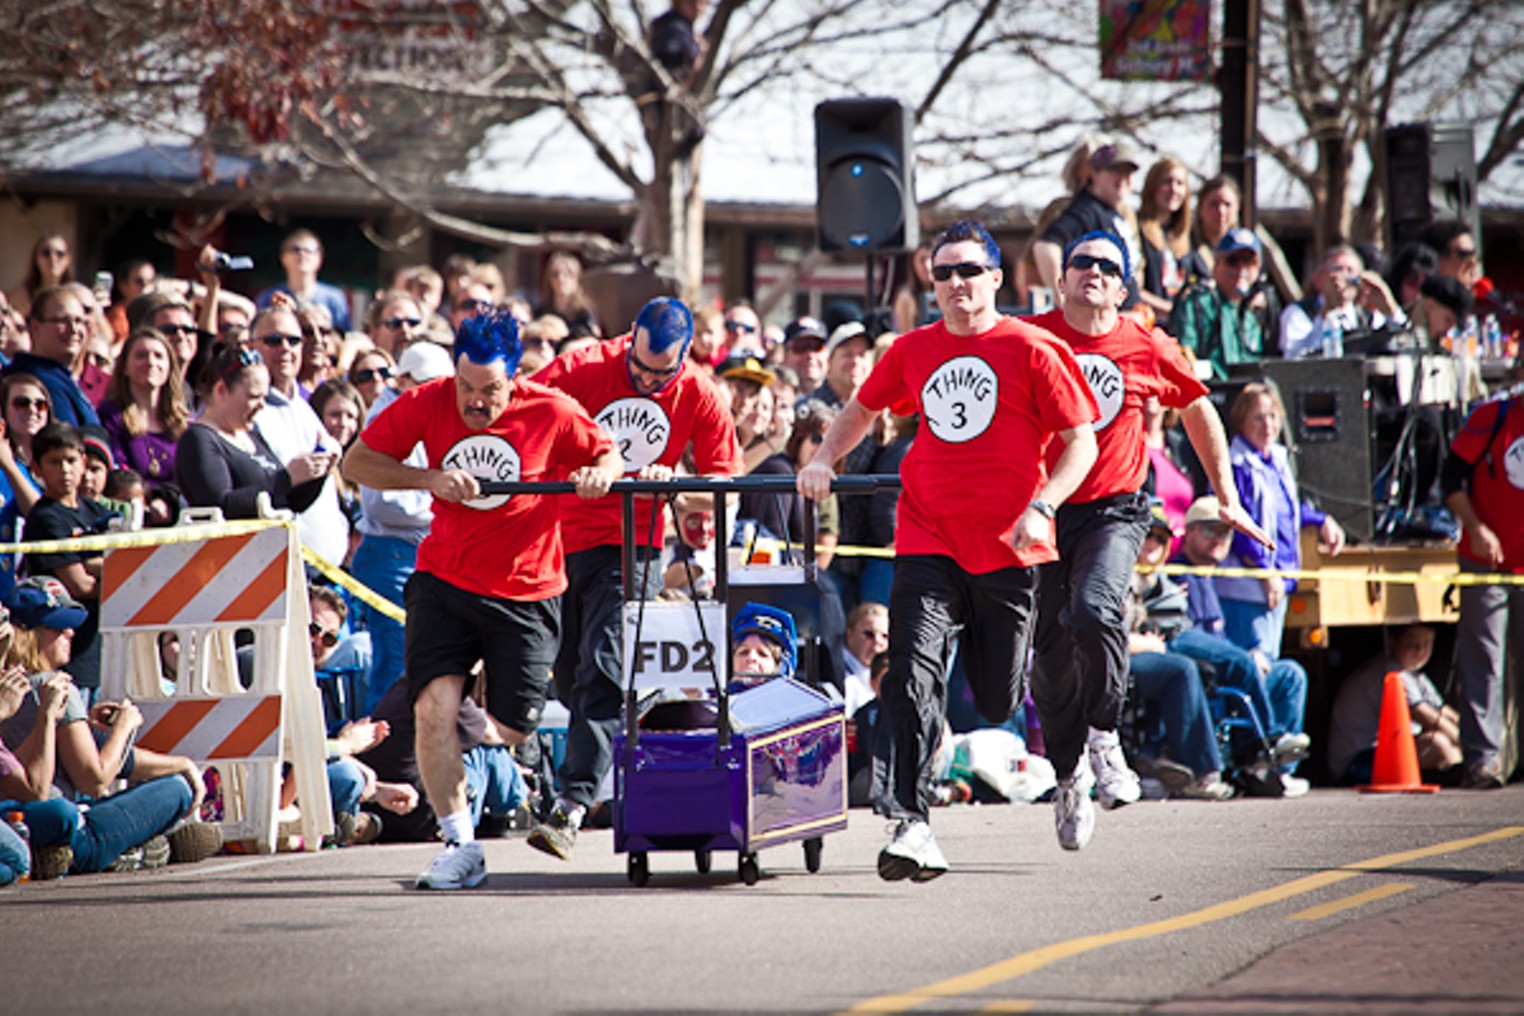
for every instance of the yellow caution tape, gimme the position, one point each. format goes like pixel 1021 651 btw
pixel 361 591
pixel 194 533
pixel 1396 578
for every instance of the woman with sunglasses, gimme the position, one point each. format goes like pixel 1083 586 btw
pixel 146 411
pixel 51 264
pixel 373 372
pixel 222 461
pixel 27 408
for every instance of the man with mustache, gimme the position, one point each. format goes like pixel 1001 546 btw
pixel 490 573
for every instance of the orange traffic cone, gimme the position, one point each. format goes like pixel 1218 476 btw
pixel 1396 768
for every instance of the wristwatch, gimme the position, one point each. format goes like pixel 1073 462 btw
pixel 1043 508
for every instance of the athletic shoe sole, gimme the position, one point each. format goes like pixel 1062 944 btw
pixel 545 840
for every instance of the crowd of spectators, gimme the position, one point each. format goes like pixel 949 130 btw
pixel 165 394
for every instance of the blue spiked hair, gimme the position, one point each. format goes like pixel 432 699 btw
pixel 966 231
pixel 1109 237
pixel 490 336
pixel 668 322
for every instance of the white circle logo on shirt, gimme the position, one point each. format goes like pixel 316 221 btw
pixel 959 399
pixel 486 457
pixel 1105 380
pixel 639 428
pixel 1513 463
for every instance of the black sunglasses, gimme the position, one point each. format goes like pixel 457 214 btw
pixel 329 638
pixel 1085 262
pixel 274 340
pixel 179 330
pixel 397 323
pixel 1463 252
pixel 740 326
pixel 371 373
pixel 473 306
pixel 964 270
pixel 640 365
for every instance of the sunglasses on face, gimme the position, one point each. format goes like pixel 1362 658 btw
pixel 173 330
pixel 275 340
pixel 640 366
pixel 399 323
pixel 963 269
pixel 369 374
pixel 816 439
pixel 1465 253
pixel 1106 266
pixel 473 306
pixel 22 402
pixel 740 326
pixel 317 631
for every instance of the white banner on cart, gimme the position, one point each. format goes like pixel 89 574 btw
pixel 670 649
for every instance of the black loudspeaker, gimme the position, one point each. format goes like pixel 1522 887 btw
pixel 1430 174
pixel 865 176
pixel 1328 429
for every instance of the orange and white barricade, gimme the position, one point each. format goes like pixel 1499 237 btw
pixel 213 581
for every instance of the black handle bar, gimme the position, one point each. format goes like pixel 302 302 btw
pixel 851 484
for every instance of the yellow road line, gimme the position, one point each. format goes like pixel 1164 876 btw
pixel 1035 959
pixel 1338 906
pixel 1009 1005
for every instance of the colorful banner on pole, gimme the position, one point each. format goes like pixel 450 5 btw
pixel 1156 40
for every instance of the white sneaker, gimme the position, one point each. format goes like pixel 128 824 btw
pixel 1115 782
pixel 1073 813
pixel 1291 748
pixel 1294 786
pixel 455 867
pixel 912 854
pixel 1209 787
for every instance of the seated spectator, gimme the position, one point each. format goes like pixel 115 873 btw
pixel 341 662
pixel 862 728
pixel 221 461
pixel 67 751
pixel 1170 682
pixel 1213 321
pixel 1356 716
pixel 804 351
pixel 495 786
pixel 471 299
pixel 1102 204
pixel 867 636
pixel 751 407
pixel 61 513
pixel 301 255
pixel 126 487
pixel 1277 689
pixel 1343 294
pixel 1168 478
pixel 146 411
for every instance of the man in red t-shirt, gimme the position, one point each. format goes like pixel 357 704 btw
pixel 490 572
pixel 1080 679
pixel 975 516
pixel 1483 480
pixel 653 403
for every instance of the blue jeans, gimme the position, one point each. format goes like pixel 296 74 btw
pixel 111 825
pixel 1254 625
pixel 1172 684
pixel 493 781
pixel 1279 698
pixel 346 782
pixel 15 855
pixel 383 563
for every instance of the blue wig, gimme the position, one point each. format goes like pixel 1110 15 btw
pixel 490 336
pixel 969 231
pixel 668 322
pixel 1109 237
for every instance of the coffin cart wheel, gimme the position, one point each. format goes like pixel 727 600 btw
pixel 812 848
pixel 703 860
pixel 639 868
pixel 749 870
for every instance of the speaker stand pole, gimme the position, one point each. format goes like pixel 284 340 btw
pixel 870 318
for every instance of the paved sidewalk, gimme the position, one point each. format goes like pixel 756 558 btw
pixel 1459 952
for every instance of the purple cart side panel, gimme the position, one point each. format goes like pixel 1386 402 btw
pixel 798 784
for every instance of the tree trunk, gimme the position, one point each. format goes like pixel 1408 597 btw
pixel 669 224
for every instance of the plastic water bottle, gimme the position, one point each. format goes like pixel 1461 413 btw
pixel 1469 337
pixel 1492 338
pixel 17 822
pixel 1333 339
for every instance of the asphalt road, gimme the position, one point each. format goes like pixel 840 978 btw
pixel 1335 902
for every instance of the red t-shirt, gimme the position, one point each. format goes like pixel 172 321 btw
pixel 645 428
pixel 1497 489
pixel 989 405
pixel 506 546
pixel 1123 367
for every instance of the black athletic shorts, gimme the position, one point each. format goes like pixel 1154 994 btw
pixel 450 629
